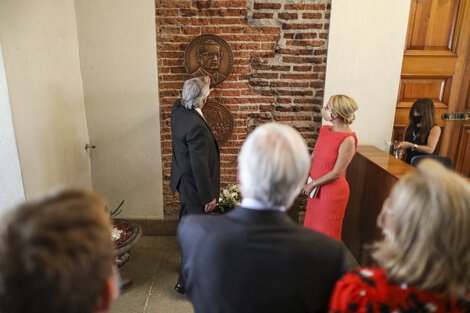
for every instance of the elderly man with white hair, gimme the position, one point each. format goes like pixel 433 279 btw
pixel 195 163
pixel 255 258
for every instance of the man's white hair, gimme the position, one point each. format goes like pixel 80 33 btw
pixel 273 164
pixel 195 91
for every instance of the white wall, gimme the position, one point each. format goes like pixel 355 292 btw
pixel 40 50
pixel 10 173
pixel 365 53
pixel 117 40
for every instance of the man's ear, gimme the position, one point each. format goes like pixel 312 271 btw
pixel 108 295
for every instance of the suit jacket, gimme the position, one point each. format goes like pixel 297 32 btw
pixel 257 261
pixel 195 163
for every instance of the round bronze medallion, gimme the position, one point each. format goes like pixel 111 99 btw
pixel 219 119
pixel 209 55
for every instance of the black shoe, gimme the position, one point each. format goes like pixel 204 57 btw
pixel 180 288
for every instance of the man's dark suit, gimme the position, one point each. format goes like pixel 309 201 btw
pixel 257 261
pixel 195 164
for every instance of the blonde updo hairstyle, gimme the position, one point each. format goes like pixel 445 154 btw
pixel 428 240
pixel 344 106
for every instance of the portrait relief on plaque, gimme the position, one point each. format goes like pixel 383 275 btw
pixel 220 120
pixel 209 55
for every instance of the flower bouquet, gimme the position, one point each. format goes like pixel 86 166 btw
pixel 229 198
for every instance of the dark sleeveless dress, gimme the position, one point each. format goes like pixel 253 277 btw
pixel 416 140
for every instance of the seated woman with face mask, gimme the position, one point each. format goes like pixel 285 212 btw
pixel 422 133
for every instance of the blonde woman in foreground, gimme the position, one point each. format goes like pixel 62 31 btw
pixel 424 257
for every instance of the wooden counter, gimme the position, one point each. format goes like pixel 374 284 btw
pixel 371 175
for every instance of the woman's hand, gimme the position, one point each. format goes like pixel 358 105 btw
pixel 404 145
pixel 307 188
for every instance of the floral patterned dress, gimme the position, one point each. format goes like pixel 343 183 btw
pixel 368 290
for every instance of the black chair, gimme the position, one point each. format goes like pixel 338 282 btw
pixel 446 161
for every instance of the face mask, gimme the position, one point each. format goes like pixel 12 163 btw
pixel 416 118
pixel 326 114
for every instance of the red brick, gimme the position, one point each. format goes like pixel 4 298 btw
pixel 291 92
pixel 279 84
pixel 305 36
pixel 287 16
pixel 300 6
pixel 305 43
pixel 303 68
pixel 227 20
pixel 238 37
pixel 293 118
pixel 268 46
pixel 167 12
pixel 269 6
pixel 270 30
pixel 323 35
pixel 228 4
pixel 320 52
pixel 312 15
pixel 265 75
pixel 199 21
pixel 264 37
pixel 296 51
pixel 262 54
pixel 282 100
pixel 191 30
pixel 299 84
pixel 299 76
pixel 259 83
pixel 302 26
pixel 313 60
pixel 172 4
pixel 262 15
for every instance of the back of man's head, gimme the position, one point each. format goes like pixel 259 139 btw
pixel 273 164
pixel 56 256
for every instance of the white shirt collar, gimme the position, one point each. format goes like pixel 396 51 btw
pixel 254 204
pixel 200 112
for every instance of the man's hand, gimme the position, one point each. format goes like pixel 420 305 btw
pixel 209 207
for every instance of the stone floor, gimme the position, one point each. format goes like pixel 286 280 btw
pixel 153 269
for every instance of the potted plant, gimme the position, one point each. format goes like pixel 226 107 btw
pixel 125 235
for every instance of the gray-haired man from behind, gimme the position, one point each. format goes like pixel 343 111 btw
pixel 255 258
pixel 195 163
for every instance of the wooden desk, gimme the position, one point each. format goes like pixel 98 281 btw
pixel 371 175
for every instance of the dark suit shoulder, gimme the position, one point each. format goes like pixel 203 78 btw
pixel 193 224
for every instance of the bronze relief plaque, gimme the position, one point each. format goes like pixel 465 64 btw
pixel 220 120
pixel 209 55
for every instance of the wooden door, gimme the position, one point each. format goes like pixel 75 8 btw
pixel 435 65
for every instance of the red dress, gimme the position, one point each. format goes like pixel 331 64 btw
pixel 368 290
pixel 325 213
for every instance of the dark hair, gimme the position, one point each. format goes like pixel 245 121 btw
pixel 425 107
pixel 55 254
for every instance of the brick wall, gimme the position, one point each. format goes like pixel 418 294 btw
pixel 279 49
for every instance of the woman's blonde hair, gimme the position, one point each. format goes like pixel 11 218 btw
pixel 428 245
pixel 344 106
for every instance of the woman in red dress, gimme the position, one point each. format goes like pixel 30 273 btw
pixel 335 148
pixel 424 257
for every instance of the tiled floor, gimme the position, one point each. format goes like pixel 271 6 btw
pixel 153 268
